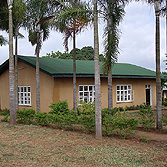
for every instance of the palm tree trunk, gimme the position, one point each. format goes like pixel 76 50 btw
pixel 158 77
pixel 11 73
pixel 110 100
pixel 74 75
pixel 98 122
pixel 16 69
pixel 37 76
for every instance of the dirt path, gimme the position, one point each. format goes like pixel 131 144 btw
pixel 152 136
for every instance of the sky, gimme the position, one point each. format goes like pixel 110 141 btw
pixel 137 40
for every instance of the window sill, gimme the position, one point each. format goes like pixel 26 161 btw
pixel 124 102
pixel 23 105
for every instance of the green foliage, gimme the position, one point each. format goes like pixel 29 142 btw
pixel 86 109
pixel 164 120
pixel 3 41
pixel 63 120
pixel 86 53
pixel 137 107
pixel 59 108
pixel 119 123
pixel 143 139
pixel 88 122
pixel 4 112
pixel 25 116
pixel 19 11
pixel 6 118
pixel 61 116
pixel 86 116
pixel 164 103
pixel 41 119
pixel 146 119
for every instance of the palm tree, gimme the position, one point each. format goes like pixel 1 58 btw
pixel 158 77
pixel 98 120
pixel 113 13
pixel 3 41
pixel 19 10
pixel 37 16
pixel 11 68
pixel 71 20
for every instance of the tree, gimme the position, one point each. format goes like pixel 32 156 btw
pixel 3 41
pixel 73 18
pixel 85 53
pixel 11 69
pixel 113 13
pixel 37 16
pixel 158 77
pixel 98 120
pixel 19 11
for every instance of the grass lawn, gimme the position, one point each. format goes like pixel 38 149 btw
pixel 29 145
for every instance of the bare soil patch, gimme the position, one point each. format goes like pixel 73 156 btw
pixel 29 145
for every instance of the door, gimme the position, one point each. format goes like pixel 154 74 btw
pixel 148 94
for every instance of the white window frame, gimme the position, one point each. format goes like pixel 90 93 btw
pixel 24 95
pixel 86 93
pixel 124 93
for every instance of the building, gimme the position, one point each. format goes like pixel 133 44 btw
pixel 132 85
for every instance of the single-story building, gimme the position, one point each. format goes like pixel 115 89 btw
pixel 132 85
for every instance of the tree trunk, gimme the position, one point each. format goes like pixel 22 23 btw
pixel 74 75
pixel 37 76
pixel 11 73
pixel 98 122
pixel 16 70
pixel 110 100
pixel 158 77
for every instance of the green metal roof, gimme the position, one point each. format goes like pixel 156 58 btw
pixel 64 67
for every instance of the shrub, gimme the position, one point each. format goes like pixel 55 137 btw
pixel 4 112
pixel 164 103
pixel 63 120
pixel 164 120
pixel 41 119
pixel 146 119
pixel 120 124
pixel 6 118
pixel 88 122
pixel 143 139
pixel 25 116
pixel 59 108
pixel 86 108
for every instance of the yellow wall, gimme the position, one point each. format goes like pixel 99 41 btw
pixel 55 89
pixel 26 77
pixel 63 90
pixel 4 89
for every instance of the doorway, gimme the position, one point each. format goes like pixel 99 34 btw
pixel 148 94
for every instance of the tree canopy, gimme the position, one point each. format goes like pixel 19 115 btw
pixel 86 53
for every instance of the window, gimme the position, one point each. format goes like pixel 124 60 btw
pixel 124 93
pixel 86 93
pixel 24 94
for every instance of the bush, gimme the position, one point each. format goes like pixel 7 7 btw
pixel 4 112
pixel 86 109
pixel 41 119
pixel 164 103
pixel 25 116
pixel 6 118
pixel 88 122
pixel 119 123
pixel 59 108
pixel 63 120
pixel 146 119
pixel 164 120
